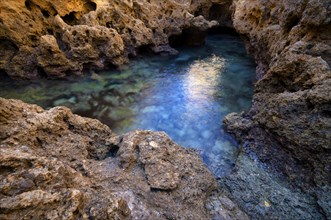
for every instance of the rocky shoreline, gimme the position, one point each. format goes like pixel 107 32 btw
pixel 69 157
pixel 58 165
pixel 68 38
pixel 288 127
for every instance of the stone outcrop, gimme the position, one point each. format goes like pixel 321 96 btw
pixel 291 44
pixel 288 127
pixel 53 160
pixel 263 195
pixel 57 165
pixel 59 39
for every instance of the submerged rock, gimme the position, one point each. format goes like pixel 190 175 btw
pixel 266 196
pixel 55 164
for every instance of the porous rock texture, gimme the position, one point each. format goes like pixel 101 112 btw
pixel 57 165
pixel 288 127
pixel 292 45
pixel 62 38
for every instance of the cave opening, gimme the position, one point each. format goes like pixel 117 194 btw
pixel 45 13
pixel 199 12
pixel 292 21
pixel 193 38
pixel 41 72
pixel 215 11
pixel 90 6
pixel 189 37
pixel 63 47
pixel 28 4
pixel 7 45
pixel 4 77
pixel 222 30
pixel 220 12
pixel 113 151
pixel 70 18
pixel 8 50
pixel 143 51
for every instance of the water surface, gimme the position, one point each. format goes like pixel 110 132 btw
pixel 186 96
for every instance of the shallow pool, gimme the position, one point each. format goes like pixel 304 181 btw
pixel 186 96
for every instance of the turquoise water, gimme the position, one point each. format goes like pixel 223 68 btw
pixel 185 96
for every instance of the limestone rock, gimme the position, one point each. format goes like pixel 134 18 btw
pixel 50 58
pixel 59 39
pixel 55 164
pixel 288 127
pixel 264 195
pixel 291 43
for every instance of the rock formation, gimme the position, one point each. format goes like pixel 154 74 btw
pixel 289 125
pixel 59 39
pixel 55 158
pixel 291 44
pixel 56 165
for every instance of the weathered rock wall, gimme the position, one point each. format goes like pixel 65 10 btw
pixel 56 165
pixel 58 39
pixel 289 124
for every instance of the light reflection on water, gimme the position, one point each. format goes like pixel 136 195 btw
pixel 202 78
pixel 186 96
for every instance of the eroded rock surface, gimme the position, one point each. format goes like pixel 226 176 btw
pixel 291 42
pixel 59 39
pixel 56 165
pixel 288 127
pixel 265 196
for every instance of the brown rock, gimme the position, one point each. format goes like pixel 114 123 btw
pixel 47 39
pixel 51 59
pixel 289 124
pixel 58 165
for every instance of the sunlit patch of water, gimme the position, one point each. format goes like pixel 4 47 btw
pixel 186 96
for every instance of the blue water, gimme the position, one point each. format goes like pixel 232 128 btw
pixel 186 96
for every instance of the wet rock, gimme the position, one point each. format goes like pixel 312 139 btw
pixel 238 124
pixel 112 100
pixel 120 113
pixel 65 102
pixel 324 199
pixel 222 207
pixel 288 126
pixel 289 119
pixel 55 164
pixel 263 195
pixel 165 49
